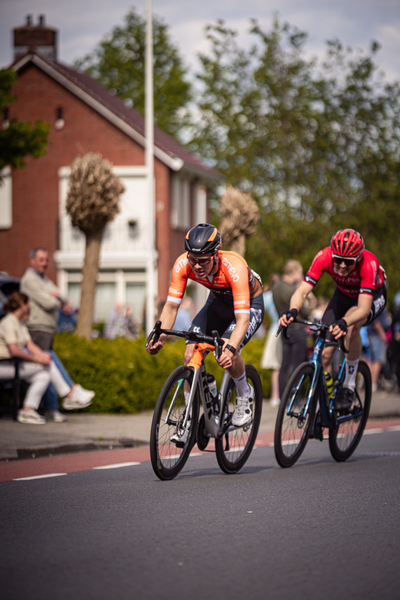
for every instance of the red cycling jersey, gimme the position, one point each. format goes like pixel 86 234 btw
pixel 234 283
pixel 366 277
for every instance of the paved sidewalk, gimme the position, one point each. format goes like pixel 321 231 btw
pixel 84 432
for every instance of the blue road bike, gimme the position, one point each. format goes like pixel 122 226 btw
pixel 307 409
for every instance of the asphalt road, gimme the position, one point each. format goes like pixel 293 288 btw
pixel 318 530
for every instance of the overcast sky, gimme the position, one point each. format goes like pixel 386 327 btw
pixel 82 23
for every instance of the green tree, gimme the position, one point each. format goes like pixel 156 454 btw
pixel 18 139
pixel 316 143
pixel 118 62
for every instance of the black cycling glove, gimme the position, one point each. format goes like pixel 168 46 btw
pixel 341 323
pixel 293 312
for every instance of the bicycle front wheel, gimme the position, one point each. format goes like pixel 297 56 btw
pixel 345 437
pixel 168 457
pixel 234 448
pixel 292 427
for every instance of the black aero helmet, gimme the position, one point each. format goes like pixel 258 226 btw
pixel 203 239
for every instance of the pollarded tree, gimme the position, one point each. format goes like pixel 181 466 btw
pixel 118 62
pixel 240 216
pixel 92 202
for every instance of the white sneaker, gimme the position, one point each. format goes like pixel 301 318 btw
pixel 31 417
pixel 79 398
pixel 243 411
pixel 274 402
pixel 56 416
pixel 180 437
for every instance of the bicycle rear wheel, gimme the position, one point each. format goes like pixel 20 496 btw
pixel 292 428
pixel 344 439
pixel 234 448
pixel 166 458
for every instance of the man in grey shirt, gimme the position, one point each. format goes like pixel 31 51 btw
pixel 45 299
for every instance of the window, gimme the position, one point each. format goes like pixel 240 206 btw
pixel 180 213
pixel 6 199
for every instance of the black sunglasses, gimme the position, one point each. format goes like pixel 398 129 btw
pixel 338 260
pixel 203 262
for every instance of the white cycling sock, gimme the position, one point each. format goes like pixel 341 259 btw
pixel 351 372
pixel 242 387
pixel 186 395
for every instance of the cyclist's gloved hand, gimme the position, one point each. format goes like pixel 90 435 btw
pixel 341 323
pixel 293 312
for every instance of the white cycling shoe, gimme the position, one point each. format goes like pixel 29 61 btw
pixel 244 409
pixel 180 437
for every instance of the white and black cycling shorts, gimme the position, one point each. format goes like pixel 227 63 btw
pixel 218 316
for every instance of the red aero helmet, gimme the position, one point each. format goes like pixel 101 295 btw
pixel 347 243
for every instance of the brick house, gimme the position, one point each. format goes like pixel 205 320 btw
pixel 85 117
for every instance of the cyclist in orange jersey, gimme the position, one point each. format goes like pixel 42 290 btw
pixel 234 307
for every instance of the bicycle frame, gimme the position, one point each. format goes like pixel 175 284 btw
pixel 212 418
pixel 326 404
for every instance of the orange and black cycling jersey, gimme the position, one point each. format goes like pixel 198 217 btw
pixel 233 284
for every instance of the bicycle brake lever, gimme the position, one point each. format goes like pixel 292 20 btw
pixel 218 343
pixel 342 346
pixel 284 330
pixel 154 332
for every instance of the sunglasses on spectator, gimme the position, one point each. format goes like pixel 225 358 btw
pixel 202 262
pixel 338 260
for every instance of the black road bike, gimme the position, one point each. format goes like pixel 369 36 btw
pixel 178 409
pixel 307 408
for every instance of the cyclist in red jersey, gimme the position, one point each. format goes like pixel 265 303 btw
pixel 360 296
pixel 234 307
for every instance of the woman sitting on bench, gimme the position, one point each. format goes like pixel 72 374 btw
pixel 36 367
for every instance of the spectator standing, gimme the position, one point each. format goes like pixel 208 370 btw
pixel 66 319
pixel 131 325
pixel 115 325
pixel 394 344
pixel 378 344
pixel 294 349
pixel 45 302
pixel 272 353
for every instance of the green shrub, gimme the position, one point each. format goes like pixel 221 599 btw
pixel 125 377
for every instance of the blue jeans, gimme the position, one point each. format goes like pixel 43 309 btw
pixel 50 397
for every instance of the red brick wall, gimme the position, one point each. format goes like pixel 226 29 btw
pixel 35 189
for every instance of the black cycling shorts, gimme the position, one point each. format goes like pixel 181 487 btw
pixel 340 304
pixel 218 316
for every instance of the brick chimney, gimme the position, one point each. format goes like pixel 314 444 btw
pixel 37 38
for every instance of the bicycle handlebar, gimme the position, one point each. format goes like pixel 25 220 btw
pixel 213 340
pixel 318 327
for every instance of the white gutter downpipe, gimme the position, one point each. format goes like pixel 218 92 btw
pixel 149 131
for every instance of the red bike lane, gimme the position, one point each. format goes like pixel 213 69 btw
pixel 63 464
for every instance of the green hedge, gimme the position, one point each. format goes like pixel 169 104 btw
pixel 125 377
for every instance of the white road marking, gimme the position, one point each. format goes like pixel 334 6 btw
pixel 40 476
pixel 118 465
pixel 369 431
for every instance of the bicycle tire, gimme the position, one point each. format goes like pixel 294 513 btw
pixel 234 448
pixel 291 430
pixel 345 437
pixel 167 459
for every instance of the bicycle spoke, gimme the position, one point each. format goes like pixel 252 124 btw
pixel 292 426
pixel 235 447
pixel 167 455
